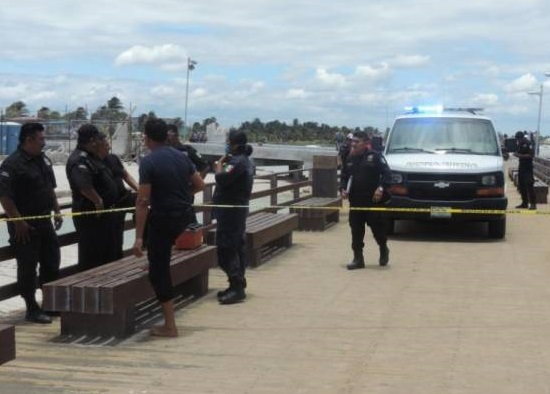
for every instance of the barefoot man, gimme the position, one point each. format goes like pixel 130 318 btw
pixel 167 182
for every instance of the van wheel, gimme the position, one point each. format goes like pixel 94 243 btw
pixel 389 225
pixel 497 228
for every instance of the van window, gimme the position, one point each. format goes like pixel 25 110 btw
pixel 443 135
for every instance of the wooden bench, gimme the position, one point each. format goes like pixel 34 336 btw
pixel 310 218
pixel 7 343
pixel 266 233
pixel 541 192
pixel 107 300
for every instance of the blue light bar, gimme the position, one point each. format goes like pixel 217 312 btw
pixel 425 109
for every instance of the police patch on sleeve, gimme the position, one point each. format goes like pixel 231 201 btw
pixel 83 167
pixel 370 157
pixel 5 174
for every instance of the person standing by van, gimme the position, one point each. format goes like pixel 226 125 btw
pixel 526 180
pixel 365 180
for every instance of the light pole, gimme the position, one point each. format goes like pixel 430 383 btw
pixel 539 93
pixel 190 66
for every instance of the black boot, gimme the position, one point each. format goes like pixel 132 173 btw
pixel 221 293
pixel 384 256
pixel 35 314
pixel 235 292
pixel 358 261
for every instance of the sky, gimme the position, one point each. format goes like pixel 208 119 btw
pixel 352 63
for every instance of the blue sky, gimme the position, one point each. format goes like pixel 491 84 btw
pixel 357 63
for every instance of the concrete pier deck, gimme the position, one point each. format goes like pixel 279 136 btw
pixel 454 312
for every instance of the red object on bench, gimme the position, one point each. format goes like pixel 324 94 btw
pixel 191 238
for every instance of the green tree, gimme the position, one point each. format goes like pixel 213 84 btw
pixel 16 110
pixel 79 114
pixel 43 113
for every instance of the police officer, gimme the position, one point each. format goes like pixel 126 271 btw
pixel 173 140
pixel 93 189
pixel 526 180
pixel 27 184
pixel 344 150
pixel 234 179
pixel 365 181
pixel 125 198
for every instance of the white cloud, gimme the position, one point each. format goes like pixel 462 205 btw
pixel 13 91
pixel 296 94
pixel 485 100
pixel 524 83
pixel 331 79
pixel 373 72
pixel 199 93
pixel 163 91
pixel 405 61
pixel 167 55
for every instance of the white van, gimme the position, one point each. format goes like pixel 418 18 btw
pixel 444 158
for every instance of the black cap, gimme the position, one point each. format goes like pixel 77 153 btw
pixel 519 135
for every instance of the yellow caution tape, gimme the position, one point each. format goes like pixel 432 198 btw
pixel 438 210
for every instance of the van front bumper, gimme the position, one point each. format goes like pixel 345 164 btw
pixel 481 209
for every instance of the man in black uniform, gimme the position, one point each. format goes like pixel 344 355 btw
pixel 125 198
pixel 27 184
pixel 365 180
pixel 234 179
pixel 173 140
pixel 526 180
pixel 344 150
pixel 167 181
pixel 93 189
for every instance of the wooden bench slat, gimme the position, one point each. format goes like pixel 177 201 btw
pixel 7 343
pixel 139 290
pixel 317 219
pixel 103 300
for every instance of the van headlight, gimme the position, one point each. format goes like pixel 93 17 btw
pixel 489 180
pixel 396 178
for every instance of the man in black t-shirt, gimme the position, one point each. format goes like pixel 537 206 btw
pixel 167 182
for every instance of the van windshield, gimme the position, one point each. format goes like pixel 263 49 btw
pixel 443 135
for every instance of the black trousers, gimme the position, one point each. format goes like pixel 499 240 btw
pixel 163 231
pixel 43 248
pixel 526 183
pixel 231 241
pixel 97 244
pixel 357 221
pixel 128 201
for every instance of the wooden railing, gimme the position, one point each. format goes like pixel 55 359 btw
pixel 275 188
pixel 541 169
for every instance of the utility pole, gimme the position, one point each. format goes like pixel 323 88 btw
pixel 190 66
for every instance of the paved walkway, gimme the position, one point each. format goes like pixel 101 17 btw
pixel 454 313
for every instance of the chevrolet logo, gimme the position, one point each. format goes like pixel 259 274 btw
pixel 442 185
